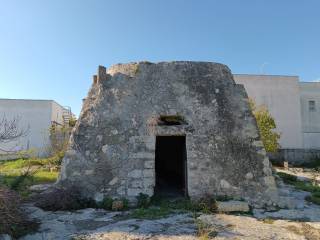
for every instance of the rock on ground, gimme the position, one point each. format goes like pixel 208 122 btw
pixel 249 228
pixel 5 237
pixel 232 206
pixel 97 224
pixel 297 223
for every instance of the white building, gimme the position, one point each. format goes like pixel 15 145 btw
pixel 35 115
pixel 294 105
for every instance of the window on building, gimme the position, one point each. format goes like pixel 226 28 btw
pixel 312 106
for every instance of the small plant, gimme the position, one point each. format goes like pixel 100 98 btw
pixel 314 198
pixel 20 174
pixel 106 203
pixel 125 203
pixel 146 62
pixel 268 220
pixel 13 221
pixel 287 178
pixel 205 231
pixel 304 186
pixel 207 205
pixel 150 213
pixel 143 200
pixel 136 69
pixel 266 125
pixel 171 120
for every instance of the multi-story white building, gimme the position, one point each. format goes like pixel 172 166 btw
pixel 294 105
pixel 35 116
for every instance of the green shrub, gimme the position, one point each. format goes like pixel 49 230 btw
pixel 143 200
pixel 266 126
pixel 287 178
pixel 304 186
pixel 106 203
pixel 207 205
pixel 125 203
pixel 314 198
pixel 150 213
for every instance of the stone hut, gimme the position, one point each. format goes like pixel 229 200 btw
pixel 168 128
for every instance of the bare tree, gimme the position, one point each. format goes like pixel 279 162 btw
pixel 10 130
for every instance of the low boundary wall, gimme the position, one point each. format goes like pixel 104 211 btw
pixel 294 156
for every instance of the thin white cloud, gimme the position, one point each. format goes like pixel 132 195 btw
pixel 315 80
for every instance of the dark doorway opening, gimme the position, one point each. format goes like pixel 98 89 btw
pixel 170 164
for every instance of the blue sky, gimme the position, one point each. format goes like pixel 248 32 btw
pixel 50 49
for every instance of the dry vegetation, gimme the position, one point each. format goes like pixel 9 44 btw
pixel 13 220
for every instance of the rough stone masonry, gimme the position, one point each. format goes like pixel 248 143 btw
pixel 112 148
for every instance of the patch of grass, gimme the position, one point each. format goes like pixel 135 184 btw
pixel 143 200
pixel 14 174
pixel 313 163
pixel 304 186
pixel 314 199
pixel 106 203
pixel 152 212
pixel 204 231
pixel 287 178
pixel 204 205
pixel 268 220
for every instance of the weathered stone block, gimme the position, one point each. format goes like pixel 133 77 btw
pixel 133 192
pixel 232 206
pixel 149 164
pixel 147 173
pixel 135 173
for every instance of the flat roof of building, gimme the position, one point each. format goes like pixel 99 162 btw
pixel 34 100
pixel 262 75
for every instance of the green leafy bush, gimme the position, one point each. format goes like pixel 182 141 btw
pixel 313 198
pixel 106 203
pixel 143 200
pixel 125 203
pixel 266 126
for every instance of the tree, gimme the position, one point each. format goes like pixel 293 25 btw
pixel 59 139
pixel 266 126
pixel 10 130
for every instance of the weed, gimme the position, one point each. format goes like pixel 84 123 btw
pixel 304 186
pixel 125 203
pixel 205 231
pixel 287 178
pixel 313 198
pixel 150 213
pixel 20 174
pixel 13 220
pixel 313 163
pixel 106 203
pixel 143 200
pixel 268 220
